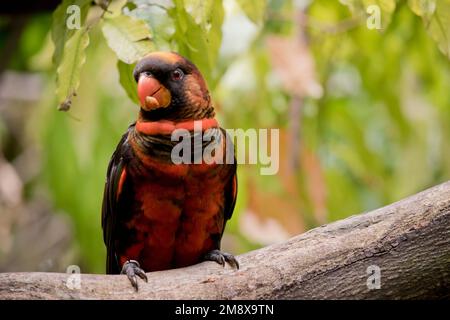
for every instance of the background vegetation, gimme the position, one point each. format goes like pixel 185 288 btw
pixel 364 114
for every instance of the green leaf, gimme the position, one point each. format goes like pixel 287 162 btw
pixel 60 32
pixel 254 9
pixel 198 33
pixel 127 81
pixel 214 29
pixel 114 8
pixel 436 17
pixel 423 7
pixel 69 70
pixel 199 10
pixel 359 7
pixel 128 37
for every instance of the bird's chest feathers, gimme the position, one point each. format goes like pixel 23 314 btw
pixel 165 191
pixel 178 209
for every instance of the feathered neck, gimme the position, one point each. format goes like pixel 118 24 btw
pixel 166 127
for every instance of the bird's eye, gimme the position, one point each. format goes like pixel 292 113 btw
pixel 145 74
pixel 177 74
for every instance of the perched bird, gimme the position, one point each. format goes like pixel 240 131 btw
pixel 157 214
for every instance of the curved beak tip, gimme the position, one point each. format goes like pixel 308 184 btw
pixel 151 103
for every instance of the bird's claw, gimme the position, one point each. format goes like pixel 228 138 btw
pixel 222 257
pixel 132 269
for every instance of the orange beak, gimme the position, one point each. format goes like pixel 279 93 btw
pixel 152 94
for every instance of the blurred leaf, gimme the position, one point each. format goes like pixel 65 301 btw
pixel 209 15
pixel 127 81
pixel 423 8
pixel 70 68
pixel 104 4
pixel 436 17
pixel 128 37
pixel 254 9
pixel 359 7
pixel 114 8
pixel 213 29
pixel 60 33
pixel 200 10
pixel 199 35
pixel 160 23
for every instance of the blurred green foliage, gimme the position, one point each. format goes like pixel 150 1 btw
pixel 377 133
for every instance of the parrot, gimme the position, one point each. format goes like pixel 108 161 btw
pixel 158 214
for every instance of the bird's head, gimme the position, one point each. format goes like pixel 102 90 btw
pixel 170 87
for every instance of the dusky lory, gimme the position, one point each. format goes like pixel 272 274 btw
pixel 158 214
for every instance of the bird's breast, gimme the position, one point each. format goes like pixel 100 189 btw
pixel 177 213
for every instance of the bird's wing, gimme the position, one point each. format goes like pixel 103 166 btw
pixel 230 196
pixel 231 186
pixel 115 179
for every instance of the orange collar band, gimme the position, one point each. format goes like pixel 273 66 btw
pixel 167 127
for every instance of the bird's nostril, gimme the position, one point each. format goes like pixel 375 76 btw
pixel 156 91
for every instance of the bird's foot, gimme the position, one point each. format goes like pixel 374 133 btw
pixel 132 269
pixel 222 257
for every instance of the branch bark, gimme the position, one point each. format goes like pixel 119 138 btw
pixel 409 241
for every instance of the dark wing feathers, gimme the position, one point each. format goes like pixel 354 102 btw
pixel 230 195
pixel 110 202
pixel 231 186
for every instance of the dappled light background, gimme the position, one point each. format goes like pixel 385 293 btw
pixel 364 119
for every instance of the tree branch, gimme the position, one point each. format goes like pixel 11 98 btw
pixel 409 241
